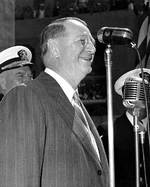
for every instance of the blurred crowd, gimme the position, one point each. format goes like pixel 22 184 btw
pixel 41 10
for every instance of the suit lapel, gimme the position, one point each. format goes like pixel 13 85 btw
pixel 77 127
pixel 82 134
pixel 98 140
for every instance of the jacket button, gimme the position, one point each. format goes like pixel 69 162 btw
pixel 99 172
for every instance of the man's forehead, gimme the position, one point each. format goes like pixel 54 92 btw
pixel 24 68
pixel 19 70
pixel 12 72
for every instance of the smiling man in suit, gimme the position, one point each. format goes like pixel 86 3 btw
pixel 45 141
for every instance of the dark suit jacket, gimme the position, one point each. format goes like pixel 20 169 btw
pixel 43 143
pixel 124 143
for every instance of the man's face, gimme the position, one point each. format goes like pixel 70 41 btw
pixel 77 50
pixel 16 77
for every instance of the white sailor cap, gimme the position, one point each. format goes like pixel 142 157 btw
pixel 133 74
pixel 14 57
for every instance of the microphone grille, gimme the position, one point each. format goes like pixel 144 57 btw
pixel 134 93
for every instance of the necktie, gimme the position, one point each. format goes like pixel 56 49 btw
pixel 78 108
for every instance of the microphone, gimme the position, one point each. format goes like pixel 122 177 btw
pixel 115 35
pixel 134 96
pixel 133 93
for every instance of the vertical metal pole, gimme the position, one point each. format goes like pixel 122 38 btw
pixel 137 163
pixel 108 64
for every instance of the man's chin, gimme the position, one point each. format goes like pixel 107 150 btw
pixel 87 71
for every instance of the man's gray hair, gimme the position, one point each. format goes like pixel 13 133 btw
pixel 54 30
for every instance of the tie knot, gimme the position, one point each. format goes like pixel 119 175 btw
pixel 76 98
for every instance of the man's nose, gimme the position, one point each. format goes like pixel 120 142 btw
pixel 91 47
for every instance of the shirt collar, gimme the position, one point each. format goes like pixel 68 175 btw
pixel 130 118
pixel 66 87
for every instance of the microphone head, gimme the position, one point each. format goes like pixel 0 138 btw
pixel 115 35
pixel 134 74
pixel 133 93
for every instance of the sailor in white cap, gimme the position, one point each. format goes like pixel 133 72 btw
pixel 124 134
pixel 14 67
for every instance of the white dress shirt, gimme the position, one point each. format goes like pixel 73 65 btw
pixel 130 118
pixel 66 87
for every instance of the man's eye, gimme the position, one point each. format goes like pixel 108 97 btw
pixel 83 41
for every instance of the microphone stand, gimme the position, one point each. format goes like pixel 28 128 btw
pixel 108 64
pixel 139 131
pixel 136 127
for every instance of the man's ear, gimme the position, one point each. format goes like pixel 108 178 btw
pixel 53 47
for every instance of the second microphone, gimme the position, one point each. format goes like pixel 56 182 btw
pixel 115 36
